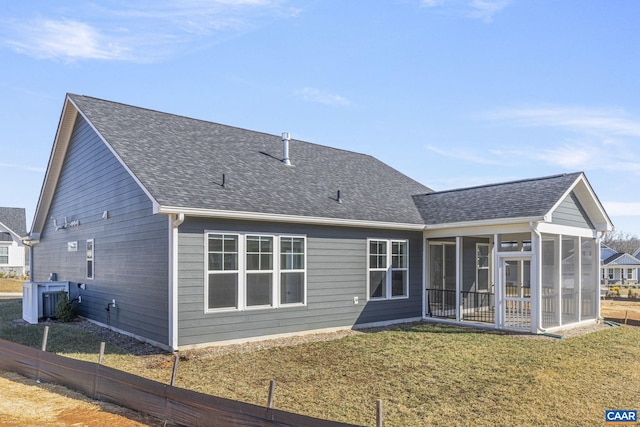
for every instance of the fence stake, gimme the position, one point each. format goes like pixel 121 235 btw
pixel 175 369
pixel 272 387
pixel 626 315
pixel 101 356
pixel 44 338
pixel 378 413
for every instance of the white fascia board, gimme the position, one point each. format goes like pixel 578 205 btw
pixel 54 167
pixel 566 230
pixel 484 224
pixel 259 216
pixel 601 220
pixel 11 232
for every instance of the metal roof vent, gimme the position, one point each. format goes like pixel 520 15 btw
pixel 286 139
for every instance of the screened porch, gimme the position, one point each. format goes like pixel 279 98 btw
pixel 522 281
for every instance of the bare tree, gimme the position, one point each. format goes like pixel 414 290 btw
pixel 621 242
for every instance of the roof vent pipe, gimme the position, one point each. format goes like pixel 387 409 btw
pixel 286 138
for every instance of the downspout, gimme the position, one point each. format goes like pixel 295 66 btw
pixel 173 281
pixel 534 229
pixel 599 236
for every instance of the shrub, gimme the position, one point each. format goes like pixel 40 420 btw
pixel 65 311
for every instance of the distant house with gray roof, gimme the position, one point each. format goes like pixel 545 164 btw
pixel 619 268
pixel 13 228
pixel 185 233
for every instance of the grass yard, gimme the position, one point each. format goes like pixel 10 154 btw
pixel 11 285
pixel 424 374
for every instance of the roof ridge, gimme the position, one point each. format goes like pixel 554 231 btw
pixel 498 184
pixel 153 110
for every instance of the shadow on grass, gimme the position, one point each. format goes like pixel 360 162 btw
pixel 78 336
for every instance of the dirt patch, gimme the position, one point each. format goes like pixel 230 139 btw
pixel 621 310
pixel 25 402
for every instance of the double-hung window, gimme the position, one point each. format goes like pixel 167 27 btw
pixel 388 269
pixel 482 267
pixel 4 254
pixel 259 270
pixel 223 271
pixel 249 271
pixel 292 270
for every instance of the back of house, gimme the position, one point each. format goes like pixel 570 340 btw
pixel 184 233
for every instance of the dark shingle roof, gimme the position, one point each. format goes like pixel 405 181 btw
pixel 622 258
pixel 517 199
pixel 181 162
pixel 15 219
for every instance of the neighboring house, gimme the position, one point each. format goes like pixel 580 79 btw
pixel 618 268
pixel 185 233
pixel 13 228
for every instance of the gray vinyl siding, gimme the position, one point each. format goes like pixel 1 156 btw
pixel 336 273
pixel 130 247
pixel 571 213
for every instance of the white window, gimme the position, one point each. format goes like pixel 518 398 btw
pixel 292 270
pixel 388 269
pixel 222 271
pixel 4 255
pixel 259 271
pixel 90 260
pixel 249 271
pixel 482 267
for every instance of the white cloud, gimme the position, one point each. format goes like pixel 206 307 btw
pixel 466 155
pixel 611 122
pixel 622 208
pixel 485 9
pixel 316 95
pixel 27 168
pixel 599 139
pixel 66 39
pixel 144 31
pixel 475 9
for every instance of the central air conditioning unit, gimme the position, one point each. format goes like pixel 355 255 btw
pixel 49 303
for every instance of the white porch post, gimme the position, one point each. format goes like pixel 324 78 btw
pixel 497 289
pixel 598 268
pixel 425 253
pixel 536 283
pixel 458 277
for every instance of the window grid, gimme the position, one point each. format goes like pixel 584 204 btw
pixel 4 255
pixel 388 271
pixel 268 271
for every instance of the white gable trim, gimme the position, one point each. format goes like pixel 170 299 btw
pixel 589 201
pixel 54 168
pixel 56 159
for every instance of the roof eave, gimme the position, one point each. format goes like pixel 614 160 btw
pixel 485 223
pixel 54 167
pixel 298 219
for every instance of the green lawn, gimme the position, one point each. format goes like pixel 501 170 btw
pixel 424 374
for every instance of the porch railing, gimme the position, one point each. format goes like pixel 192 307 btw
pixel 475 306
pixel 517 313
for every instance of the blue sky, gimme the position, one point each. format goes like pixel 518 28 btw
pixel 453 93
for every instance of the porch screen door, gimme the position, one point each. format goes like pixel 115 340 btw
pixel 441 293
pixel 516 292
